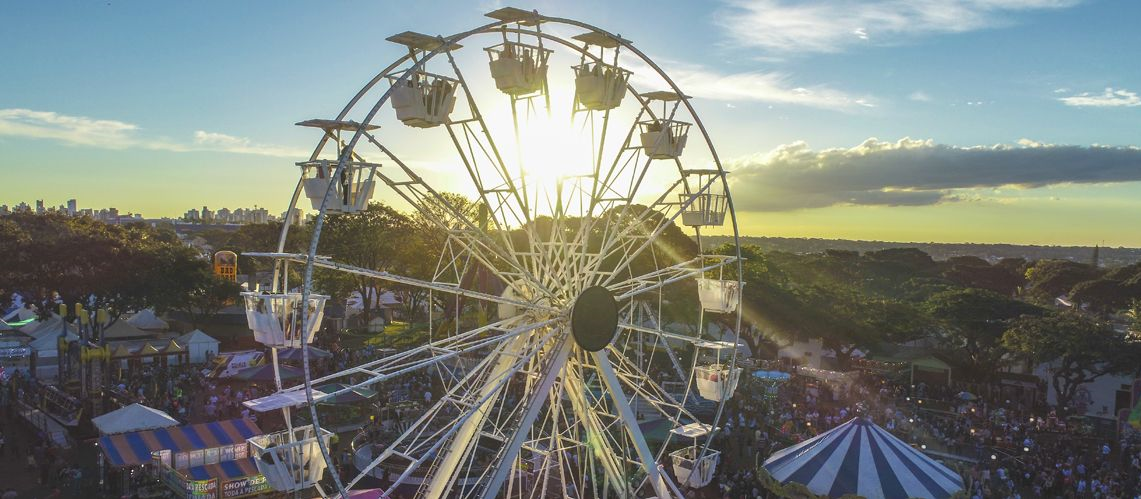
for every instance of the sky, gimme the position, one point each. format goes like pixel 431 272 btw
pixel 1015 121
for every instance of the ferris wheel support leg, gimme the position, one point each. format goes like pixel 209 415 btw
pixel 465 437
pixel 622 405
pixel 523 430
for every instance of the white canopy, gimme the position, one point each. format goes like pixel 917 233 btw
pixel 146 319
pixel 200 345
pixel 196 337
pixel 134 417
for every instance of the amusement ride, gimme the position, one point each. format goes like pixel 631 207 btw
pixel 598 326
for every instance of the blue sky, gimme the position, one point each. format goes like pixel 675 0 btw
pixel 983 112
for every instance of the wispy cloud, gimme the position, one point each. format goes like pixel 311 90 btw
pixel 213 141
pixel 754 86
pixel 1109 98
pixel 118 135
pixel 916 172
pixel 805 26
pixel 919 96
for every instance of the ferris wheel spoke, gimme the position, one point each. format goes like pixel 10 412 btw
pixel 596 435
pixel 658 279
pixel 622 405
pixel 402 363
pixel 538 397
pixel 674 210
pixel 474 398
pixel 409 281
pixel 439 210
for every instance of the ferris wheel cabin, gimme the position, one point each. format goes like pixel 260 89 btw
pixel 663 137
pixel 599 86
pixel 290 460
pixel 692 468
pixel 276 319
pixel 353 187
pixel 422 99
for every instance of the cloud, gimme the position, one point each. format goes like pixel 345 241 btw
pixel 220 142
pixel 78 130
pixel 119 135
pixel 756 86
pixel 807 26
pixel 916 172
pixel 919 96
pixel 1108 98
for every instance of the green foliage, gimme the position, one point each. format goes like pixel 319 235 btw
pixel 1079 348
pixel 117 267
pixel 972 322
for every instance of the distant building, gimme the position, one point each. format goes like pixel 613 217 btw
pixel 72 206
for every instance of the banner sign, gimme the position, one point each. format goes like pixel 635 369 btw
pixel 246 486
pixel 229 363
pixel 202 489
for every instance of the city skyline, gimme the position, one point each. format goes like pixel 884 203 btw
pixel 930 121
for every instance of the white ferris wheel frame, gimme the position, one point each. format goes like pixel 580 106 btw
pixel 505 331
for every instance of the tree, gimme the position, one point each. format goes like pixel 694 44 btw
pixel 1047 279
pixel 1102 296
pixel 1077 349
pixel 117 267
pixel 372 239
pixel 972 322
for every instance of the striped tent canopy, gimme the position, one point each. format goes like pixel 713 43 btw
pixel 861 458
pixel 129 449
pixel 225 470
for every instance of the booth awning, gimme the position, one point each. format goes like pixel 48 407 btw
pixel 225 470
pixel 129 449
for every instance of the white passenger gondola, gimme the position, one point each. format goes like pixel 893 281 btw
pixel 717 382
pixel 599 86
pixel 276 319
pixel 519 69
pixel 290 461
pixel 664 137
pixel 691 470
pixel 423 100
pixel 352 189
pixel 707 206
pixel 719 295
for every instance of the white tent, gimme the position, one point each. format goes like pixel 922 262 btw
pixel 134 417
pixel 147 320
pixel 200 345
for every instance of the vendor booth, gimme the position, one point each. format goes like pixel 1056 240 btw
pixel 201 461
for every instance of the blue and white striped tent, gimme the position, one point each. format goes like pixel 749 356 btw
pixel 861 458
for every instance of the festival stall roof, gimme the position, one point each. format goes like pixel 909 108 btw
pixel 146 319
pixel 225 470
pixel 52 325
pixel 129 449
pixel 861 458
pixel 134 417
pixel 122 330
pixel 196 337
pixel 50 342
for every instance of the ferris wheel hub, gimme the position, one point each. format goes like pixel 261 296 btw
pixel 594 318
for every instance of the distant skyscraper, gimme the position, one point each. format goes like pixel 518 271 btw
pixel 39 207
pixel 1096 256
pixel 71 207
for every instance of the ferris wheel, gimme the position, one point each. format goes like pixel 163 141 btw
pixel 581 328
